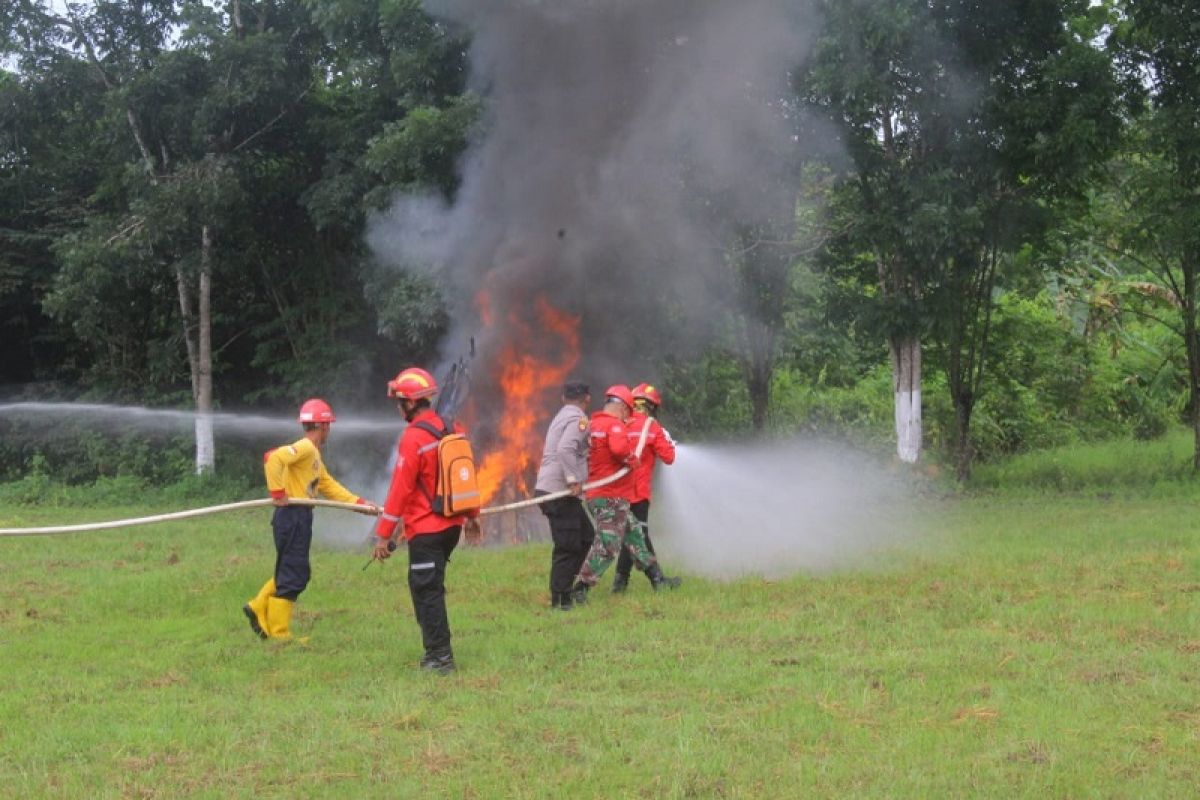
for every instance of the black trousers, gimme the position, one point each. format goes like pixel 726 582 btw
pixel 641 512
pixel 572 534
pixel 292 526
pixel 428 554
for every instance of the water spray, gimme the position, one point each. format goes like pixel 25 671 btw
pixel 353 507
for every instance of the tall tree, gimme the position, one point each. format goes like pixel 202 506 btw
pixel 964 122
pixel 1158 46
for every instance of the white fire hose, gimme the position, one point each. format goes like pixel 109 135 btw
pixel 359 509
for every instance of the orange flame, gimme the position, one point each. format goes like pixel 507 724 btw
pixel 525 381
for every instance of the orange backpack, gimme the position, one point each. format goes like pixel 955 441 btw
pixel 457 489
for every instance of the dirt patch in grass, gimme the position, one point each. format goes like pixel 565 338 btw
pixel 171 678
pixel 1031 753
pixel 976 714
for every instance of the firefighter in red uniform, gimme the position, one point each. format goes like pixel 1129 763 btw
pixel 612 449
pixel 659 447
pixel 431 537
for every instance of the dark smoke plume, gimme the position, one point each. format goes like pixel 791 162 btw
pixel 623 141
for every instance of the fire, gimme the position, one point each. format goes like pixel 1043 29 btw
pixel 528 377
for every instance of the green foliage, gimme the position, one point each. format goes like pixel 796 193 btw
pixel 79 452
pixel 421 150
pixel 966 183
pixel 1117 465
pixel 708 397
pixel 38 489
pixel 860 411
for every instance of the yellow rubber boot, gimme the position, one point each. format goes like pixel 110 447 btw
pixel 279 617
pixel 256 609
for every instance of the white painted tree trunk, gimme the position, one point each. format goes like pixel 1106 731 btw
pixel 205 447
pixel 906 383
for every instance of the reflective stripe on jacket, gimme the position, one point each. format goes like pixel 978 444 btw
pixel 414 481
pixel 610 449
pixel 659 446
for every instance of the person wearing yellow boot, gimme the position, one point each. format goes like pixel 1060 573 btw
pixel 295 470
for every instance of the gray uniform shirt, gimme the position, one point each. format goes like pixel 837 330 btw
pixel 565 456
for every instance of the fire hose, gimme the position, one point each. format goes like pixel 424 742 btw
pixel 359 509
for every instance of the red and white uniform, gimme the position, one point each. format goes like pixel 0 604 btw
pixel 659 447
pixel 414 481
pixel 609 449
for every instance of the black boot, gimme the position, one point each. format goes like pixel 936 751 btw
pixel 579 594
pixel 658 580
pixel 563 601
pixel 620 583
pixel 439 661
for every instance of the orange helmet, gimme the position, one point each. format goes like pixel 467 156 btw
pixel 622 393
pixel 644 391
pixel 316 410
pixel 412 384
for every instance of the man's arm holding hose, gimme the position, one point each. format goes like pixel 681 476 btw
pixel 664 445
pixel 329 487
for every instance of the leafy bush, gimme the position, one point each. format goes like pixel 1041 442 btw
pixel 38 489
pixel 861 412
pixel 1114 464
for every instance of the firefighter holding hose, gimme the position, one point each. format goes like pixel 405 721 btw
pixel 659 447
pixel 426 514
pixel 612 448
pixel 294 471
pixel 564 467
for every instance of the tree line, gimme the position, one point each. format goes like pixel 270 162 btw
pixel 1008 225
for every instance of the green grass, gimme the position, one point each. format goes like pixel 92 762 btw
pixel 1028 647
pixel 1120 463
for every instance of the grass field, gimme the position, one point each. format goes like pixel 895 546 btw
pixel 1030 646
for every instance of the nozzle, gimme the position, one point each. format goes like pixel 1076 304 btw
pixel 391 546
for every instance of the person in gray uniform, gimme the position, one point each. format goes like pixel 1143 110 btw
pixel 564 467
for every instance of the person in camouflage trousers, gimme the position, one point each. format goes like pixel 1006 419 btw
pixel 612 449
pixel 616 529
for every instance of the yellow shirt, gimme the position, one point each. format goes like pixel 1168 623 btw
pixel 295 470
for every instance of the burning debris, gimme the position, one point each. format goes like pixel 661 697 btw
pixel 537 354
pixel 617 157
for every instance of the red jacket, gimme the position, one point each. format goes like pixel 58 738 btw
pixel 609 449
pixel 413 482
pixel 659 445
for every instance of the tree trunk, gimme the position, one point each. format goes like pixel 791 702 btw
pixel 759 368
pixel 760 398
pixel 205 449
pixel 964 447
pixel 906 383
pixel 1187 303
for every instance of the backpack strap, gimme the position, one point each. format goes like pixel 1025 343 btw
pixel 438 435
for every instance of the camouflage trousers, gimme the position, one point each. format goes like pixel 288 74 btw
pixel 616 528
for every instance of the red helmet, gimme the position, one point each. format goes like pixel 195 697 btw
pixel 316 410
pixel 412 384
pixel 644 391
pixel 622 393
